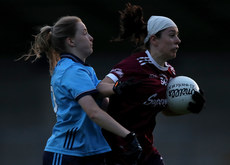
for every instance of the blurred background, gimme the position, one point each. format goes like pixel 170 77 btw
pixel 27 117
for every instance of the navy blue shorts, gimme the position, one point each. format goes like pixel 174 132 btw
pixel 50 158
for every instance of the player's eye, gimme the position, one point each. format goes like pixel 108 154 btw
pixel 85 32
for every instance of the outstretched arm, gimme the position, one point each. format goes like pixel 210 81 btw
pixel 105 87
pixel 108 87
pixel 104 120
pixel 100 117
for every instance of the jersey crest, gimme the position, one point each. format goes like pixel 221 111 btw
pixel 164 79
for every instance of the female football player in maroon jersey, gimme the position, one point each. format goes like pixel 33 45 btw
pixel 137 107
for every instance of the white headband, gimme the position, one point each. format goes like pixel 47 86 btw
pixel 156 24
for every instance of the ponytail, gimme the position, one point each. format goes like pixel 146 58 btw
pixel 51 40
pixel 42 45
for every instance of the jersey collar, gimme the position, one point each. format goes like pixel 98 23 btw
pixel 163 68
pixel 72 57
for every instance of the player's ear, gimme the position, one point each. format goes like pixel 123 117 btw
pixel 70 42
pixel 153 40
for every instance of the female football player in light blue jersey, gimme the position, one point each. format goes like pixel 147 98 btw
pixel 76 138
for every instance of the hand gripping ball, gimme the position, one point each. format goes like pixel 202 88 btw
pixel 179 93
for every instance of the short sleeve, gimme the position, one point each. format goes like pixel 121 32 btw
pixel 116 73
pixel 79 82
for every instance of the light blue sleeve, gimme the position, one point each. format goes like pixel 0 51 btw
pixel 95 79
pixel 79 81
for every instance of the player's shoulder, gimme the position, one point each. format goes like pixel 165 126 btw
pixel 138 54
pixel 68 68
pixel 133 58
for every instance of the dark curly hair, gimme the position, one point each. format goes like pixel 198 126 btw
pixel 132 25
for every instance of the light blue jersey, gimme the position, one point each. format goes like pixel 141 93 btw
pixel 74 133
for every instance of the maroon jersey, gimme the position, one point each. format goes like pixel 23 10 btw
pixel 137 112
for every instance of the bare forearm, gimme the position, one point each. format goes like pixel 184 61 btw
pixel 108 123
pixel 106 89
pixel 101 118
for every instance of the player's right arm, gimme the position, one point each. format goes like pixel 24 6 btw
pixel 105 87
pixel 109 86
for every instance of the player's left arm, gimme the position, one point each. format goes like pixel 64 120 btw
pixel 194 107
pixel 199 102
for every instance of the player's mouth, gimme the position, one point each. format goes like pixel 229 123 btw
pixel 175 49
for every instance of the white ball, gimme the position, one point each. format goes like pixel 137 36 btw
pixel 179 93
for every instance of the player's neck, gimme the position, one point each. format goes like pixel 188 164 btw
pixel 158 59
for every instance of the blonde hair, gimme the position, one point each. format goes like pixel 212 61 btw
pixel 51 40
